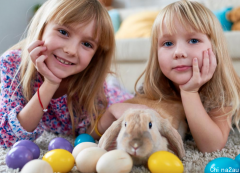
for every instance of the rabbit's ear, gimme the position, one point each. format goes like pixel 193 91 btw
pixel 172 135
pixel 109 137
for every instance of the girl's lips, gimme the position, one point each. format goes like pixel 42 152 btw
pixel 64 62
pixel 182 68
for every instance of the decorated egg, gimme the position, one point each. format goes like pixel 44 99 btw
pixel 165 162
pixel 83 138
pixel 82 146
pixel 29 145
pixel 60 143
pixel 60 160
pixel 18 156
pixel 222 164
pixel 87 159
pixel 116 161
pixel 37 166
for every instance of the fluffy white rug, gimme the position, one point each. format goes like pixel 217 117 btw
pixel 193 162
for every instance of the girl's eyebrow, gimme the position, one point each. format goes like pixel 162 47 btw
pixel 189 34
pixel 64 26
pixel 193 34
pixel 165 36
pixel 68 27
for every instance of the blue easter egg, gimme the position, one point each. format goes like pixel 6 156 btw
pixel 222 164
pixel 83 138
pixel 237 159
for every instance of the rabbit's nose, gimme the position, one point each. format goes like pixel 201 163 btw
pixel 135 146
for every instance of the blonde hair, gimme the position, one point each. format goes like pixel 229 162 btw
pixel 224 87
pixel 86 88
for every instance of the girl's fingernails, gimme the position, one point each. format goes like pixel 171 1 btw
pixel 195 59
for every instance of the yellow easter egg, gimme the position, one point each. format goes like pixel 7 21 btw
pixel 165 162
pixel 60 160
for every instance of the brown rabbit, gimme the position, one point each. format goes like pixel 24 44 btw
pixel 171 110
pixel 141 132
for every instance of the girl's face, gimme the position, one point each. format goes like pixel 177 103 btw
pixel 69 48
pixel 176 52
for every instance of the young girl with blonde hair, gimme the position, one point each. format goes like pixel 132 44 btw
pixel 55 78
pixel 189 61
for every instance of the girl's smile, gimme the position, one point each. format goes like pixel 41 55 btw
pixel 62 61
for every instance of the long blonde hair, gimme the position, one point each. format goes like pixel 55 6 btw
pixel 224 87
pixel 86 88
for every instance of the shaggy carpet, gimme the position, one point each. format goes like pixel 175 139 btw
pixel 194 161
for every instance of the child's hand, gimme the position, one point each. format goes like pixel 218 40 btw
pixel 199 78
pixel 35 50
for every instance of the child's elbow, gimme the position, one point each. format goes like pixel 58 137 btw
pixel 211 148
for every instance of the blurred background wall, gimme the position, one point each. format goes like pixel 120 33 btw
pixel 14 17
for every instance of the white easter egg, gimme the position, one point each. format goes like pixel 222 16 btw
pixel 116 161
pixel 87 159
pixel 82 146
pixel 37 166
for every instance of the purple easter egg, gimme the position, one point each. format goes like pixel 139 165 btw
pixel 60 143
pixel 31 146
pixel 18 156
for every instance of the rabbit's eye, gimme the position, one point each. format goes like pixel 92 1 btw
pixel 150 125
pixel 125 124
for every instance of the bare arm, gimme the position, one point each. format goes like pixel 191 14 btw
pixel 30 116
pixel 209 132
